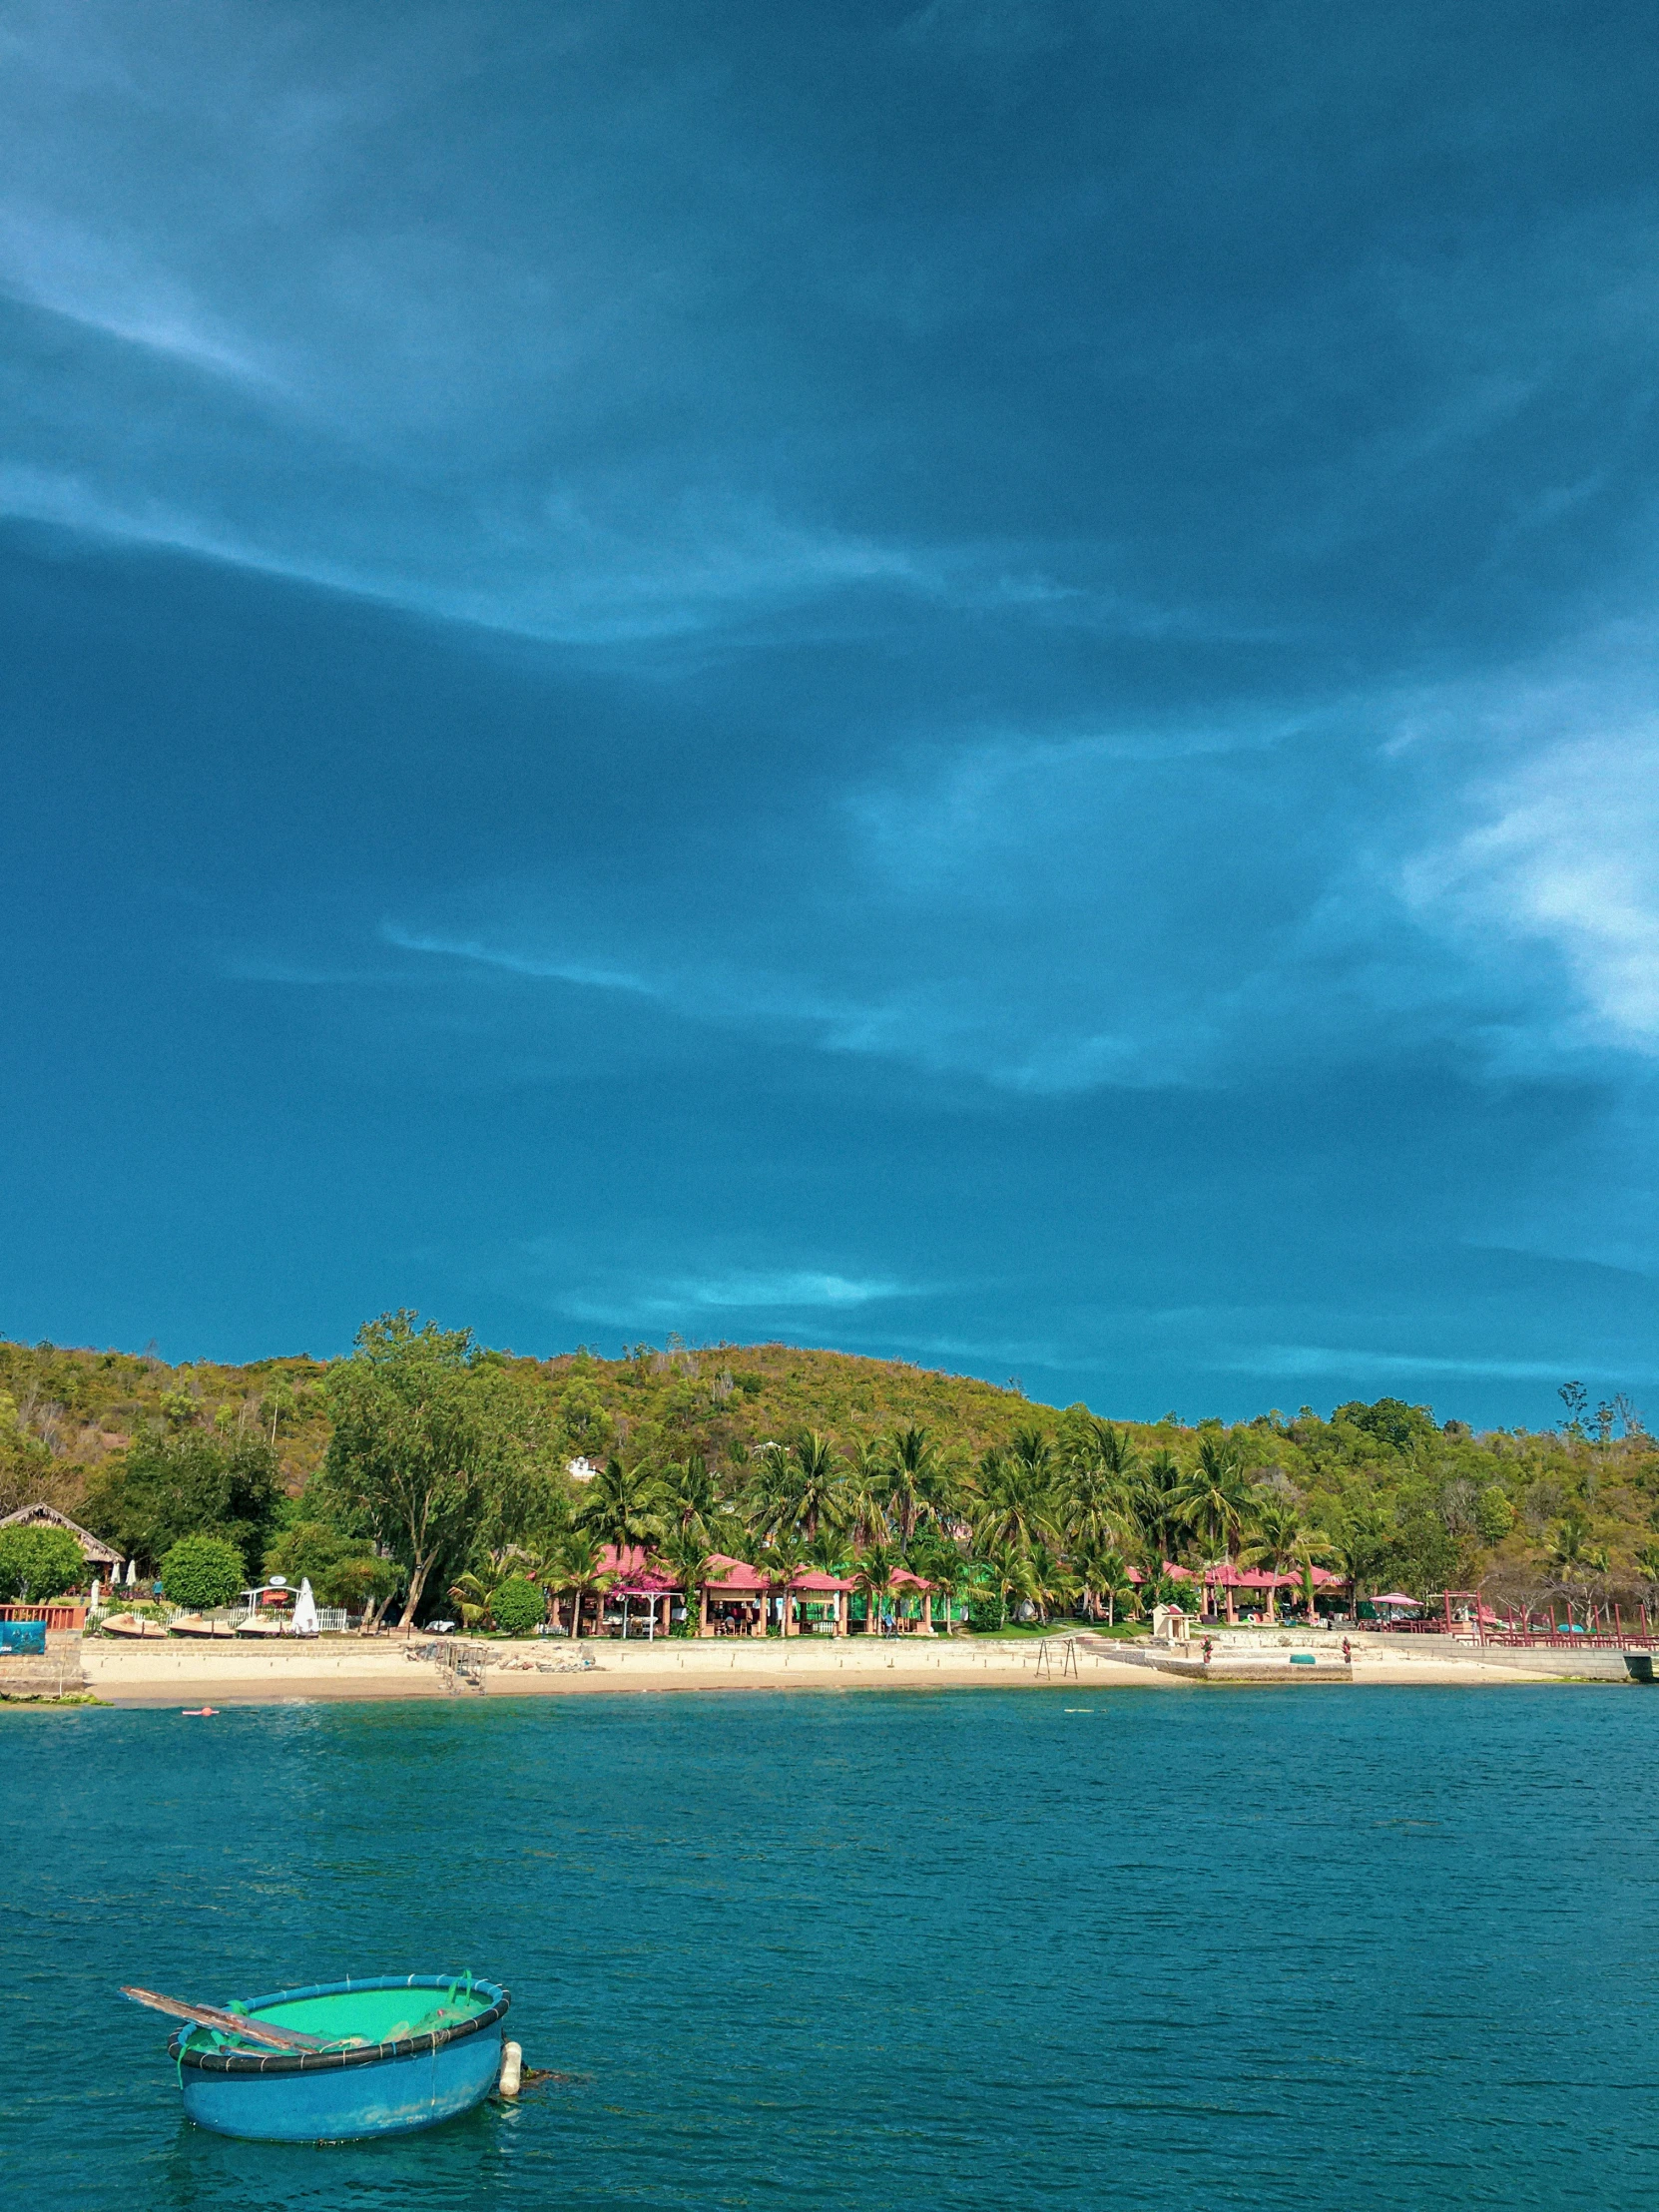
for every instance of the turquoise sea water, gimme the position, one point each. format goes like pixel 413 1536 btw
pixel 1304 1948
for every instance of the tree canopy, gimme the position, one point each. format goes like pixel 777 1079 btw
pixel 37 1564
pixel 426 1428
pixel 188 1484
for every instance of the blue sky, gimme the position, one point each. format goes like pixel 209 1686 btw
pixel 970 681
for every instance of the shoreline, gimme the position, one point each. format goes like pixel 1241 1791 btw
pixel 170 1675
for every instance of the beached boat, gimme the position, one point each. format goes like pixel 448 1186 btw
pixel 259 1625
pixel 398 2052
pixel 131 1625
pixel 192 1624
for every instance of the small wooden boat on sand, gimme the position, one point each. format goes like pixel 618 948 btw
pixel 373 2057
pixel 259 1625
pixel 131 1625
pixel 192 1624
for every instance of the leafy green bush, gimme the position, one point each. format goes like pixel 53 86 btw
pixel 200 1572
pixel 518 1606
pixel 39 1563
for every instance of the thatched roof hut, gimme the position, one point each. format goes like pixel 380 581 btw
pixel 94 1550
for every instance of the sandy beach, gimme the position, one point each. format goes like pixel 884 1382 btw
pixel 344 1668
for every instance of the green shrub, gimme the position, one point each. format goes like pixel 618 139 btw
pixel 518 1606
pixel 39 1563
pixel 200 1572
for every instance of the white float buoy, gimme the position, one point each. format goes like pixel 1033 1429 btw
pixel 512 2067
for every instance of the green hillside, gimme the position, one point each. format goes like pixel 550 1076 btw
pixel 1522 1512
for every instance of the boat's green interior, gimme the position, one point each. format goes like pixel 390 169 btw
pixel 378 2016
pixel 366 2015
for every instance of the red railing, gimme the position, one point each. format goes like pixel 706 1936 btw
pixel 55 1616
pixel 1597 1640
pixel 1558 1639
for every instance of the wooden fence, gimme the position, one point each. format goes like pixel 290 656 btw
pixel 55 1616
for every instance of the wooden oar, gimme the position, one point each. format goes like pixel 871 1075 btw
pixel 232 2023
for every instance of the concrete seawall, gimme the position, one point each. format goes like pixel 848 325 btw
pixel 347 1667
pixel 58 1673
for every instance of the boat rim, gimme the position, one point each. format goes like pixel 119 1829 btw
pixel 366 2054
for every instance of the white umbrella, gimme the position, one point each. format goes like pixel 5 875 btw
pixel 132 1572
pixel 304 1611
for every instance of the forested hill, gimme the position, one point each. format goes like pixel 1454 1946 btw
pixel 1459 1505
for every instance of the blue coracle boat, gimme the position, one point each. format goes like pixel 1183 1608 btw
pixel 401 2051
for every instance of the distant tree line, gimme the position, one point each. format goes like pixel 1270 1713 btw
pixel 439 1482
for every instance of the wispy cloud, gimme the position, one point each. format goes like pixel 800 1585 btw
pixel 755 1298
pixel 51 263
pixel 534 966
pixel 1566 859
pixel 764 1292
pixel 1360 1366
pixel 1551 874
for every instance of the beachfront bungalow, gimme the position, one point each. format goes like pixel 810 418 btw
pixel 103 1564
pixel 738 1599
pixel 1260 1584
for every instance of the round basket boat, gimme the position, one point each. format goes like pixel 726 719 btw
pixel 406 2050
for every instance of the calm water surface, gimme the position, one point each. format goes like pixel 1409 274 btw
pixel 1294 1948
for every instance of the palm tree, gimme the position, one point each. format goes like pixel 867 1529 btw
pixel 577 1574
pixel 685 1553
pixel 475 1593
pixel 1103 1574
pixel 916 1481
pixel 1093 1490
pixel 1218 1502
pixel 1362 1547
pixel 620 1507
pixel 1278 1529
pixel 829 1551
pixel 1012 1501
pixel 687 1495
pixel 1154 1504
pixel 1051 1586
pixel 817 1483
pixel 872 1573
pixel 767 1490
pixel 1007 1567
pixel 1308 1552
pixel 1106 1450
pixel 866 1492
pixel 939 1559
pixel 1035 1454
pixel 784 1558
